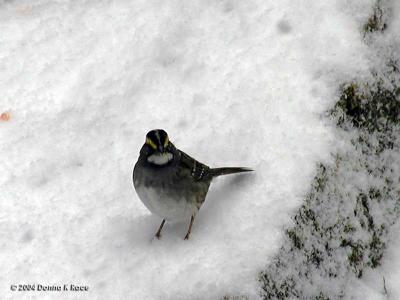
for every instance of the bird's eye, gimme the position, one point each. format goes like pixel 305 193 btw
pixel 151 143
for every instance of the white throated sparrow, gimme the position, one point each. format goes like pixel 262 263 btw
pixel 170 183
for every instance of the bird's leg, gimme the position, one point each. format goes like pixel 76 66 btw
pixel 158 233
pixel 190 227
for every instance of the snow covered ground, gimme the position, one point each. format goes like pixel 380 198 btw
pixel 382 283
pixel 233 82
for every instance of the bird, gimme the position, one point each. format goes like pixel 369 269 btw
pixel 170 183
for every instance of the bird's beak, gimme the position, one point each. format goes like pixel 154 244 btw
pixel 161 148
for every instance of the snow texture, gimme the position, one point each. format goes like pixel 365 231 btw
pixel 341 231
pixel 234 83
pixel 383 282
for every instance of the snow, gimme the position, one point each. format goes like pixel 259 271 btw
pixel 233 83
pixel 382 283
pixel 341 230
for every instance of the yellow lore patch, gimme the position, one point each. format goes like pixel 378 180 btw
pixel 151 143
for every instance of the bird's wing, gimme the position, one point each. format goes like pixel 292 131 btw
pixel 198 170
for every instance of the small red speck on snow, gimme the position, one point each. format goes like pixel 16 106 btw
pixel 5 116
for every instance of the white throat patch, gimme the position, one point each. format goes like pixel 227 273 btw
pixel 160 158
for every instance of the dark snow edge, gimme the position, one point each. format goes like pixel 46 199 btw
pixel 342 226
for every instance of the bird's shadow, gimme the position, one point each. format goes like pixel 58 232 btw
pixel 219 198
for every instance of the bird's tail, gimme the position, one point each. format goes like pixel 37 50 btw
pixel 230 170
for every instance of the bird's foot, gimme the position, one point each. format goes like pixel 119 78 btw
pixel 190 227
pixel 158 233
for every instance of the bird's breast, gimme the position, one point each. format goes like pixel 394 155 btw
pixel 163 202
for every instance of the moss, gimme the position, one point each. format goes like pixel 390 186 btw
pixel 307 216
pixel 374 108
pixel 277 291
pixel 316 257
pixel 363 213
pixel 356 258
pixel 321 178
pixel 376 248
pixel 321 296
pixel 375 194
pixel 235 297
pixel 313 241
pixel 349 104
pixel 355 255
pixel 355 220
pixel 295 239
pixel 349 228
pixel 376 21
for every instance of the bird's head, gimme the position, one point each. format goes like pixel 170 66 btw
pixel 159 149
